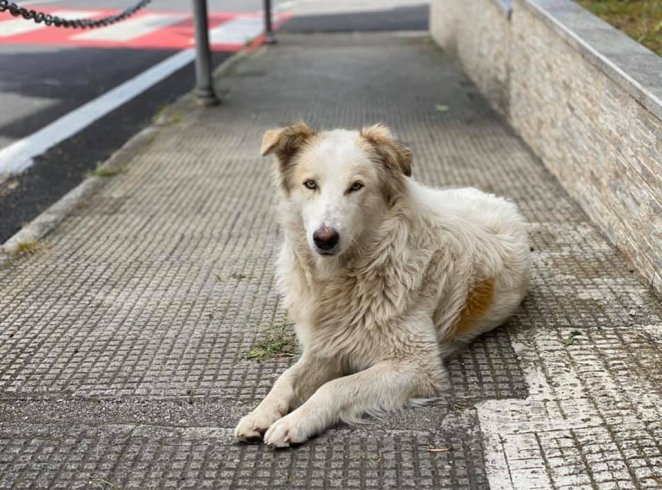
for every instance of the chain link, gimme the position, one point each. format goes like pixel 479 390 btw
pixel 53 20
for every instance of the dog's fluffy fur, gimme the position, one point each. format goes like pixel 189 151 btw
pixel 416 272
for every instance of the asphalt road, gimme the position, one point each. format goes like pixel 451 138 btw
pixel 402 18
pixel 40 83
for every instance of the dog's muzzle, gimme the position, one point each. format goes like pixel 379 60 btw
pixel 326 240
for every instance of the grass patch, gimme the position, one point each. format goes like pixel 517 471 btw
pixel 103 171
pixel 279 342
pixel 167 117
pixel 570 339
pixel 639 19
pixel 28 247
pixel 175 117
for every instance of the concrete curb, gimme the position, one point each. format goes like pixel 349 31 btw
pixel 626 62
pixel 48 220
pixel 45 222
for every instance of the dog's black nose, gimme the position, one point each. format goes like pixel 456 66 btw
pixel 326 238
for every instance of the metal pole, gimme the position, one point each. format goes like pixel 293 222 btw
pixel 269 37
pixel 204 89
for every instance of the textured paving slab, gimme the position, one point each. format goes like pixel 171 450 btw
pixel 123 344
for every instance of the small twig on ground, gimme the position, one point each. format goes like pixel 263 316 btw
pixel 96 481
pixel 438 449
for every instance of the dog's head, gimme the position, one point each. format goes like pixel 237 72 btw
pixel 340 183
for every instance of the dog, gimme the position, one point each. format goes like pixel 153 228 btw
pixel 382 276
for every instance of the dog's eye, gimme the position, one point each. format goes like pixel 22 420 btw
pixel 356 186
pixel 310 184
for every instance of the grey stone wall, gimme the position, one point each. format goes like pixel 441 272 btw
pixel 593 124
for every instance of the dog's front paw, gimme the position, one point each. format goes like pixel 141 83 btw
pixel 253 425
pixel 285 432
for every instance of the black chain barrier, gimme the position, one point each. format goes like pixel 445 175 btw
pixel 53 20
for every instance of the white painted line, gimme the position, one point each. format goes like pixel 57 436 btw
pixel 131 29
pixel 19 155
pixel 15 27
pixel 236 31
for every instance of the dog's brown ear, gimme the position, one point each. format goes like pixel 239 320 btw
pixel 285 142
pixel 394 154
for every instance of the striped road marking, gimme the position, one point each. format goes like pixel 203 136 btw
pixel 131 29
pixel 16 27
pixel 237 31
pixel 228 31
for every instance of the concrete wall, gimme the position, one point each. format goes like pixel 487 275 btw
pixel 586 99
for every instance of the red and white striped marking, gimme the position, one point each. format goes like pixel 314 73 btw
pixel 145 30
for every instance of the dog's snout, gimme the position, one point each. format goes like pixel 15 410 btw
pixel 326 238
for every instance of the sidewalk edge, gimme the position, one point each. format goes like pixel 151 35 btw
pixel 51 217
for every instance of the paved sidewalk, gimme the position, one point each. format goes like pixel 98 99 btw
pixel 123 343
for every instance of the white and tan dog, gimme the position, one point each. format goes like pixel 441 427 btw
pixel 382 277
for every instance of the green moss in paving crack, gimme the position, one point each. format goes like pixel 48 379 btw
pixel 278 342
pixel 5 264
pixel 167 117
pixel 104 171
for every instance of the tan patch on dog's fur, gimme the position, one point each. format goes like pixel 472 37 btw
pixel 479 301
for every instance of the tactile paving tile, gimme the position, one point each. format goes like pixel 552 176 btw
pixel 157 286
pixel 165 280
pixel 122 456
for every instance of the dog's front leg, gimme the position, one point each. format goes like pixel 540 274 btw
pixel 384 387
pixel 291 389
